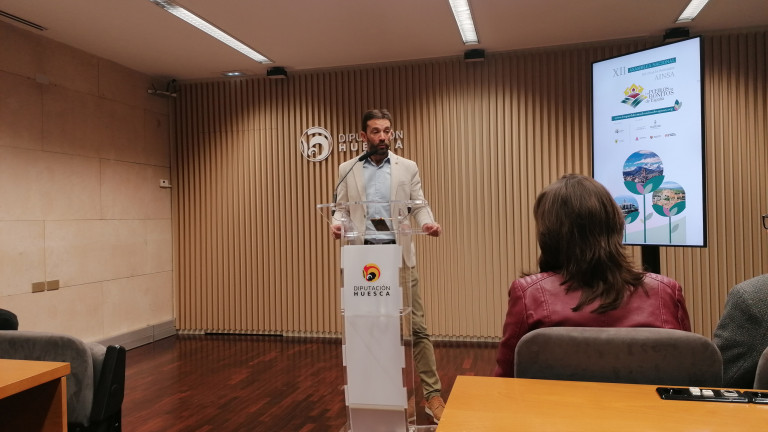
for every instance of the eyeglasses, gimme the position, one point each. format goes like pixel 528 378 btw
pixel 765 221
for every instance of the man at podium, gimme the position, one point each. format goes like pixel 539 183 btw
pixel 382 177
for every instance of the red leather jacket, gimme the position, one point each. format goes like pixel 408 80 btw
pixel 539 300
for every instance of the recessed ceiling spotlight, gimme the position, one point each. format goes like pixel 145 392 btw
pixel 233 73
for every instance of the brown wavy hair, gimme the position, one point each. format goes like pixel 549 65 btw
pixel 579 228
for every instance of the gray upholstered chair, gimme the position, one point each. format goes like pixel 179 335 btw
pixel 619 355
pixel 95 386
pixel 761 377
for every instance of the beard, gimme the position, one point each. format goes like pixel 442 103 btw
pixel 381 148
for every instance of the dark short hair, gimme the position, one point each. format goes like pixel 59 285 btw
pixel 373 115
pixel 580 228
pixel 8 320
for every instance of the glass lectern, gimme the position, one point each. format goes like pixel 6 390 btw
pixel 376 308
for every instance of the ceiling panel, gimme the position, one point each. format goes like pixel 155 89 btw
pixel 312 34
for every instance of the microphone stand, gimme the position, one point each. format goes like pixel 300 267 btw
pixel 362 157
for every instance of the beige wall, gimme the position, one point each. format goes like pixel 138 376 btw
pixel 255 255
pixel 82 150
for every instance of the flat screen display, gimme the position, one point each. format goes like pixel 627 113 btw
pixel 648 142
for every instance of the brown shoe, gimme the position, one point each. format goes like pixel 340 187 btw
pixel 435 408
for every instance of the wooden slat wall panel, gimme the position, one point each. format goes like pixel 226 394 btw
pixel 255 256
pixel 736 118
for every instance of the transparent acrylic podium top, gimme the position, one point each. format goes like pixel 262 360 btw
pixel 359 219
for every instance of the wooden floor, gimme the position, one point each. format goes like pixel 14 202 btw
pixel 258 383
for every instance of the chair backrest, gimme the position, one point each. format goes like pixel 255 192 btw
pixel 761 377
pixel 97 372
pixel 26 345
pixel 619 355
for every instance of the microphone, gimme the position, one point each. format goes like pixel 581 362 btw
pixel 362 157
pixel 365 156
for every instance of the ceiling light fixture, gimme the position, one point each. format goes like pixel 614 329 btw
pixel 463 17
pixel 21 20
pixel 693 9
pixel 233 73
pixel 210 29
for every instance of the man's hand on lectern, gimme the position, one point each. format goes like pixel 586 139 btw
pixel 336 231
pixel 432 229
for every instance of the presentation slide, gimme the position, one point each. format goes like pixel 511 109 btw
pixel 648 147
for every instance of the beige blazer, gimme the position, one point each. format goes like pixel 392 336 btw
pixel 405 186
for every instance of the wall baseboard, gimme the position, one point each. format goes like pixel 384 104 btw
pixel 330 335
pixel 142 336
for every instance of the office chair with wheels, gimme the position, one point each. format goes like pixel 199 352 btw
pixel 619 355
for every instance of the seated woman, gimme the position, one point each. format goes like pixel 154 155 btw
pixel 586 279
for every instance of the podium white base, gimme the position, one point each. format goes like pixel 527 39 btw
pixel 411 428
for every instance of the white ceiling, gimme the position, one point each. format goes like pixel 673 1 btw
pixel 312 34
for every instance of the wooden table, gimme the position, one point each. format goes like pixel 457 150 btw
pixel 515 404
pixel 33 396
